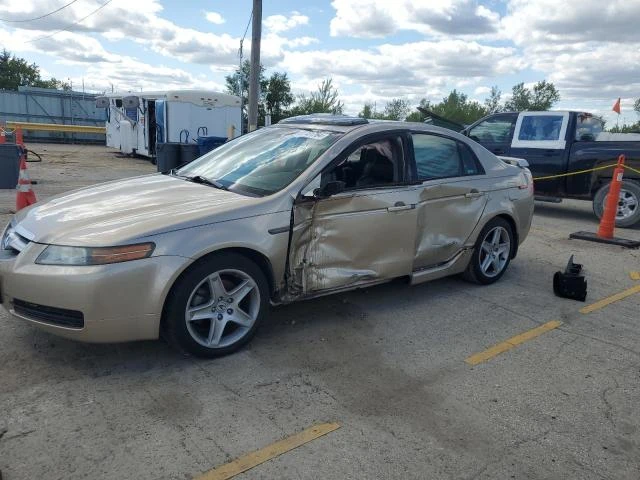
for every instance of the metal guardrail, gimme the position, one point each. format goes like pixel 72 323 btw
pixel 54 127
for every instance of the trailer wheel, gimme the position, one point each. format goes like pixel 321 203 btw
pixel 628 213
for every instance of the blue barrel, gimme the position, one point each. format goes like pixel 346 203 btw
pixel 206 144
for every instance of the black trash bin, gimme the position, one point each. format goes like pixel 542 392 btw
pixel 189 152
pixel 9 165
pixel 168 156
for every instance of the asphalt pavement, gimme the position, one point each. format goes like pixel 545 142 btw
pixel 386 363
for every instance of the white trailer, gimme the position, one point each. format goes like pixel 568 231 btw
pixel 137 121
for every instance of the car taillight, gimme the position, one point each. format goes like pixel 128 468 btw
pixel 528 180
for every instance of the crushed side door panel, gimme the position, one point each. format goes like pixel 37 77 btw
pixel 351 239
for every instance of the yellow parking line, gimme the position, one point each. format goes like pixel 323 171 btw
pixel 250 460
pixel 634 275
pixel 608 300
pixel 511 343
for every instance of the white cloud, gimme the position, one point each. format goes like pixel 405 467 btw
pixel 282 23
pixel 214 17
pixel 403 66
pixel 380 18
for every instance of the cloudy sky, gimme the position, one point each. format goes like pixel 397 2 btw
pixel 374 49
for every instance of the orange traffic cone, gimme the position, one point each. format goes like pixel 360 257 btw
pixel 18 136
pixel 25 195
pixel 608 220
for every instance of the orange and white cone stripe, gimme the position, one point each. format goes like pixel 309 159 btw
pixel 25 195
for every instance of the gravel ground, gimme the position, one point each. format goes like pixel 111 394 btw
pixel 387 363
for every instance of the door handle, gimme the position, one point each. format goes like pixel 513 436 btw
pixel 399 206
pixel 473 193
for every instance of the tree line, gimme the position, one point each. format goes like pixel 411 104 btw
pixel 15 72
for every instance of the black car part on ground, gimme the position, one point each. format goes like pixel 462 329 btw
pixel 570 283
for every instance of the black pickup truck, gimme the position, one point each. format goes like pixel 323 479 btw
pixel 558 142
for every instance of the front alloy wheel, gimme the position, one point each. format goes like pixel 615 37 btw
pixel 216 306
pixel 222 308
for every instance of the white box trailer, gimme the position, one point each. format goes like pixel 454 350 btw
pixel 137 121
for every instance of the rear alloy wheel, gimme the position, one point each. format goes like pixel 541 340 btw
pixel 217 306
pixel 492 253
pixel 628 213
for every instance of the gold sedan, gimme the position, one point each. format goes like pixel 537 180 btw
pixel 310 206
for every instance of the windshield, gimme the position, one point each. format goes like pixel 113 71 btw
pixel 262 162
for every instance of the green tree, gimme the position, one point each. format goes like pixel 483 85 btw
pixel 326 99
pixel 417 115
pixel 396 109
pixel 241 89
pixel 16 72
pixel 458 108
pixel 636 106
pixel 543 96
pixel 367 111
pixel 492 102
pixel 520 99
pixel 278 96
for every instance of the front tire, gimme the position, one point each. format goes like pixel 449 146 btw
pixel 628 213
pixel 492 253
pixel 216 307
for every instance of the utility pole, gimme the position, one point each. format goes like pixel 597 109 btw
pixel 254 77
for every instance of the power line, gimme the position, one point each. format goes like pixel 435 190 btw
pixel 41 16
pixel 71 24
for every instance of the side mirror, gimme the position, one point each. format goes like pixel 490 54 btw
pixel 330 189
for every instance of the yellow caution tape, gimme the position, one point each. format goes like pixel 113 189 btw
pixel 577 172
pixel 631 168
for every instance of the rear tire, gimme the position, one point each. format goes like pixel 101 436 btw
pixel 492 253
pixel 216 307
pixel 628 208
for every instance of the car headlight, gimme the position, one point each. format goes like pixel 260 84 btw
pixel 61 255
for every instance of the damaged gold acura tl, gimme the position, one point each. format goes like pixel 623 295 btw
pixel 310 206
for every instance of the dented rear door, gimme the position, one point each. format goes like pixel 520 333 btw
pixel 451 197
pixel 353 238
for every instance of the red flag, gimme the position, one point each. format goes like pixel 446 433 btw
pixel 616 107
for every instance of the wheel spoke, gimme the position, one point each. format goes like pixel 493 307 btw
pixel 503 248
pixel 496 264
pixel 215 331
pixel 217 287
pixel 486 263
pixel 241 291
pixel 241 318
pixel 487 247
pixel 200 312
pixel 496 237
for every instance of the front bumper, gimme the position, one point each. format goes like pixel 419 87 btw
pixel 118 302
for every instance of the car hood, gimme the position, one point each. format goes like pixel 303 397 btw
pixel 117 212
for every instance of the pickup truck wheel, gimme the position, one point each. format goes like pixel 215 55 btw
pixel 628 213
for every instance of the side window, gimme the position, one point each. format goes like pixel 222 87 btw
pixel 470 163
pixel 373 164
pixel 588 127
pixel 540 127
pixel 440 157
pixel 493 130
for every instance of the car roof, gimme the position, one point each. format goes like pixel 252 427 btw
pixel 346 123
